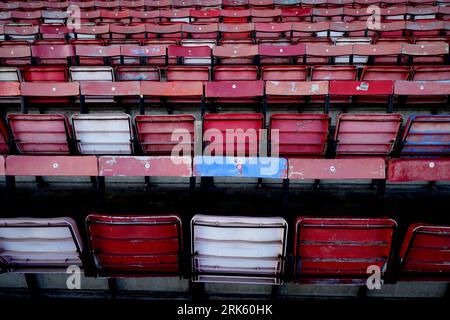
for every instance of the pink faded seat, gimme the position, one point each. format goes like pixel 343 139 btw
pixel 366 135
pixel 40 133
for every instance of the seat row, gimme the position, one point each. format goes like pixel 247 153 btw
pixel 290 14
pixel 229 249
pixel 207 30
pixel 228 145
pixel 210 94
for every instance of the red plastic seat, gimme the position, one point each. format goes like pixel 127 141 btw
pixel 144 16
pixel 295 14
pixel 169 31
pixel 201 31
pixel 234 91
pixel 341 249
pixel 159 134
pixel 97 55
pixel 27 17
pixel 205 16
pixel 130 244
pixel 424 254
pixel 4 137
pixel 308 29
pixel 179 91
pixel 299 135
pixel 149 54
pixel 137 73
pixel 284 73
pixel 114 16
pixel 200 55
pixel 423 92
pixel 366 134
pixel 40 133
pixel 265 15
pixel 92 32
pixel 272 54
pixel 235 73
pixel 27 32
pixel 295 90
pixel 433 53
pixel 45 74
pixel 380 54
pixel 53 54
pixel 245 134
pixel 15 55
pixel 267 30
pixel 51 31
pixel 235 54
pixel 326 54
pixel 234 16
pixel 235 30
pixel 134 31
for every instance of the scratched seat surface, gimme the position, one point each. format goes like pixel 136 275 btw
pixel 424 253
pixel 238 249
pixel 341 249
pixel 132 244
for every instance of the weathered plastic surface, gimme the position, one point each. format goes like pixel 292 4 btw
pixel 431 169
pixel 245 167
pixel 51 166
pixel 142 166
pixel 336 169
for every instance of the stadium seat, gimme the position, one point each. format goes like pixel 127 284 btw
pixel 40 133
pixel 48 92
pixel 137 73
pixel 434 53
pixel 424 254
pixel 293 90
pixel 235 30
pixel 364 89
pixel 235 55
pixel 135 31
pixel 272 54
pixel 91 73
pixel 423 92
pixel 170 31
pixel 299 135
pixel 267 30
pixel 53 55
pixel 234 91
pixel 167 92
pixel 424 150
pixel 92 31
pixel 196 63
pixel 103 133
pixel 39 244
pixel 21 32
pixel 10 91
pixel 372 135
pixel 4 138
pixel 238 249
pixel 246 129
pixel 159 134
pixel 201 31
pixel 339 250
pixel 97 55
pixel 142 55
pixel 130 245
pixel 99 90
pixel 15 55
pixel 380 54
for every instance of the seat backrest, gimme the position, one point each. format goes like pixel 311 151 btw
pixel 91 73
pixel 366 134
pixel 45 244
pixel 427 135
pixel 159 134
pixel 4 137
pixel 232 134
pixel 299 135
pixel 131 244
pixel 424 253
pixel 40 133
pixel 103 133
pixel 238 249
pixel 341 249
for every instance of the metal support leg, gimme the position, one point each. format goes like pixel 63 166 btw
pixel 112 285
pixel 381 188
pixel 316 185
pixel 101 190
pixel 147 183
pixel 285 191
pixel 192 183
pixel 10 186
pixel 31 280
